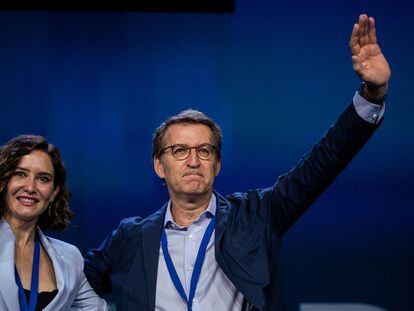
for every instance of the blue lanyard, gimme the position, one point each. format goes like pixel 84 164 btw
pixel 197 266
pixel 35 281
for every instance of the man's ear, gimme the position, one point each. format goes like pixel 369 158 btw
pixel 158 167
pixel 217 166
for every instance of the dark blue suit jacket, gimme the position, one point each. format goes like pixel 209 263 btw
pixel 248 230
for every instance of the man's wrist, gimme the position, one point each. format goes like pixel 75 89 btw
pixel 373 94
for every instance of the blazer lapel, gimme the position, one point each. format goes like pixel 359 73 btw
pixel 222 213
pixel 61 274
pixel 8 286
pixel 235 267
pixel 151 236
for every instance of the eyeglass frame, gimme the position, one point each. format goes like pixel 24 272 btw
pixel 214 148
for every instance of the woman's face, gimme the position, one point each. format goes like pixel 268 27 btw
pixel 31 188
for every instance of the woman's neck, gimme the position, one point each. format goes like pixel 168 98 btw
pixel 24 232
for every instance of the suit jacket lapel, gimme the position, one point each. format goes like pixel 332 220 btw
pixel 61 273
pixel 230 267
pixel 222 213
pixel 151 236
pixel 8 287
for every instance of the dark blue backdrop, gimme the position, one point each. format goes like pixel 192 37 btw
pixel 274 75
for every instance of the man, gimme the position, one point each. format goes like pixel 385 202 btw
pixel 203 251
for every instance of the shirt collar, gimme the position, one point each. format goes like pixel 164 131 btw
pixel 208 213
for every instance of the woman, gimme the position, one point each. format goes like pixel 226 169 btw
pixel 38 272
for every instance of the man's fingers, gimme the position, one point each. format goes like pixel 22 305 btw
pixel 363 29
pixel 356 63
pixel 362 21
pixel 353 41
pixel 372 31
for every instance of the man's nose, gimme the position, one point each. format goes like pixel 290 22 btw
pixel 193 159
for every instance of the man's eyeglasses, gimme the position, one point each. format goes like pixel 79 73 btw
pixel 182 152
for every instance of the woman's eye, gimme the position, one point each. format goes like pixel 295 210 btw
pixel 19 174
pixel 44 179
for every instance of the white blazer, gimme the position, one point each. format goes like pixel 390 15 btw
pixel 75 293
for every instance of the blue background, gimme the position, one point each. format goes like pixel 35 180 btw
pixel 274 75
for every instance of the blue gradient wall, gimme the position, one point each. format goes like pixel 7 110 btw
pixel 274 75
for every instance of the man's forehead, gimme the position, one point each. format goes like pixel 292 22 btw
pixel 188 133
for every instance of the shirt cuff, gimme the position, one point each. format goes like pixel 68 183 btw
pixel 368 111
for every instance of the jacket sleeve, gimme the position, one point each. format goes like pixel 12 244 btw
pixel 83 297
pixel 86 299
pixel 99 262
pixel 282 204
pixel 295 191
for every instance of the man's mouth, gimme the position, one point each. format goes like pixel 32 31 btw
pixel 193 174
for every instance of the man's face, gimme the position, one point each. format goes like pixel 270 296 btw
pixel 192 176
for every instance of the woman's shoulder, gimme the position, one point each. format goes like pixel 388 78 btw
pixel 61 247
pixel 62 244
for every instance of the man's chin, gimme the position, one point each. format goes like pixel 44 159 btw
pixel 195 194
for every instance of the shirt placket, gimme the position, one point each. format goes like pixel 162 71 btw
pixel 189 257
pixel 193 238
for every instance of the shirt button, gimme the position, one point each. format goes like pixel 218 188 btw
pixel 374 116
pixel 194 301
pixel 190 268
pixel 190 236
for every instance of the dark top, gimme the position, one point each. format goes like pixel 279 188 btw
pixel 43 299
